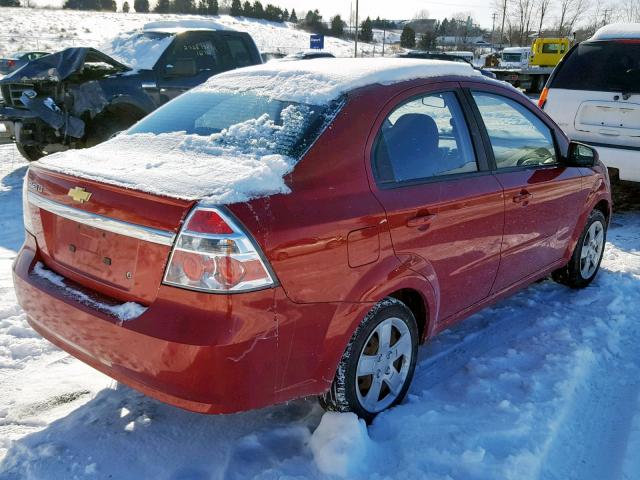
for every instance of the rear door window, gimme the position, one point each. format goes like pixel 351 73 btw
pixel 197 47
pixel 423 138
pixel 609 66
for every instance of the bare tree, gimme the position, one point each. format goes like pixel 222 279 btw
pixel 543 10
pixel 628 11
pixel 501 6
pixel 522 12
pixel 571 11
pixel 421 14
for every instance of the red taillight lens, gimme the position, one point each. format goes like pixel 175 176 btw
pixel 11 63
pixel 543 98
pixel 214 254
pixel 208 221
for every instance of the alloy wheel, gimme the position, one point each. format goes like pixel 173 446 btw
pixel 383 365
pixel 592 247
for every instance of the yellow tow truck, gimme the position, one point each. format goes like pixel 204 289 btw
pixel 529 68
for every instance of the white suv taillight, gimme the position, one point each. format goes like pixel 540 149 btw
pixel 214 254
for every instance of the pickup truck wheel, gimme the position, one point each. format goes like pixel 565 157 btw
pixel 586 258
pixel 30 152
pixel 105 126
pixel 377 367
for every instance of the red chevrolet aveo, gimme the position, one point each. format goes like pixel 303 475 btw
pixel 301 228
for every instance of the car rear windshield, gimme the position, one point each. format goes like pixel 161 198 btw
pixel 245 121
pixel 609 66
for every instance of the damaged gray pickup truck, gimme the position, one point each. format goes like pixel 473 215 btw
pixel 80 97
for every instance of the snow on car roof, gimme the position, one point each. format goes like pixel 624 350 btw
pixel 323 80
pixel 617 31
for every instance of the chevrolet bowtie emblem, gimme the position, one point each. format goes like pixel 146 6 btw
pixel 79 194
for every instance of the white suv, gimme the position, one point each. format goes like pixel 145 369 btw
pixel 594 96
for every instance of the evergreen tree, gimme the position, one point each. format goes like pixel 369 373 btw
pixel 258 10
pixel 427 41
pixel 273 13
pixel 141 6
pixel 212 7
pixel 109 5
pixel 285 15
pixel 163 6
pixel 444 28
pixel 11 3
pixel 408 37
pixel 184 6
pixel 247 10
pixel 202 7
pixel 337 26
pixel 366 31
pixel 125 7
pixel 236 8
pixel 293 18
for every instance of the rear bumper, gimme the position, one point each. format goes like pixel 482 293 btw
pixel 205 353
pixel 627 161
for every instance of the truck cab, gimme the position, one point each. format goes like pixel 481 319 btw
pixel 547 52
pixel 515 57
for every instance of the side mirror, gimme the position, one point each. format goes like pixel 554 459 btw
pixel 182 68
pixel 581 155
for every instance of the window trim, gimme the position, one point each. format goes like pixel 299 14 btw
pixel 468 92
pixel 479 149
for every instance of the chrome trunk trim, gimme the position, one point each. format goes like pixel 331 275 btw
pixel 101 222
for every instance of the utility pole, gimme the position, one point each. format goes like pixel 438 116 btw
pixel 607 11
pixel 356 50
pixel 504 14
pixel 493 28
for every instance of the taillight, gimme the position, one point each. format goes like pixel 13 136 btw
pixel 543 98
pixel 11 63
pixel 26 211
pixel 214 254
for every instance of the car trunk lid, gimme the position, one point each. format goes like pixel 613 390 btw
pixel 109 239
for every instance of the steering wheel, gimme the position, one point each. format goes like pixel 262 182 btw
pixel 539 156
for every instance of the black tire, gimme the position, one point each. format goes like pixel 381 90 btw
pixel 105 126
pixel 572 274
pixel 30 152
pixel 346 391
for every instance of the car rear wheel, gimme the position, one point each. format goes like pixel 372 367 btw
pixel 586 258
pixel 377 367
pixel 30 152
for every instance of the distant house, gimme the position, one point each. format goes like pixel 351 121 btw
pixel 422 26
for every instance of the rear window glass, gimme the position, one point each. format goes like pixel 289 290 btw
pixel 239 52
pixel 601 66
pixel 248 122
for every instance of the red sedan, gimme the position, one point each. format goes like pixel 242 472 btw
pixel 299 228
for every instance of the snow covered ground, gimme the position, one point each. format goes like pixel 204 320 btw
pixel 24 29
pixel 544 385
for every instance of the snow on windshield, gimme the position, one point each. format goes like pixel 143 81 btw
pixel 138 50
pixel 244 161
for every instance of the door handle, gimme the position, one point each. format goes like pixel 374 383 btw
pixel 523 197
pixel 420 220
